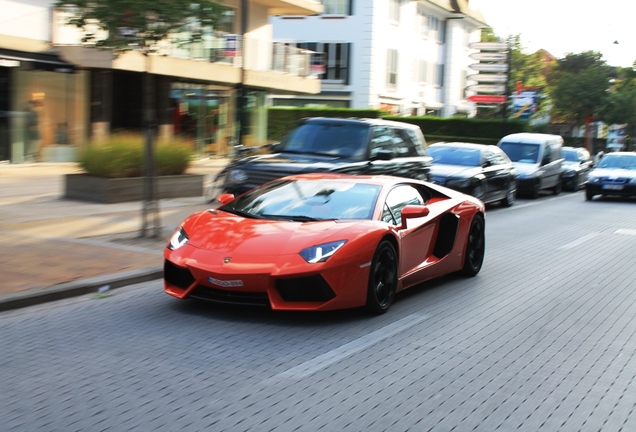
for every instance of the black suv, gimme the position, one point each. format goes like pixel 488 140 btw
pixel 337 145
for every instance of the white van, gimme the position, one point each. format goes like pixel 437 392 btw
pixel 538 159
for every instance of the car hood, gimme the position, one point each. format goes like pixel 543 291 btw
pixel 291 162
pixel 442 170
pixel 525 168
pixel 219 231
pixel 613 173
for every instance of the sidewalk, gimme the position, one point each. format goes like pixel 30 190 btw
pixel 54 248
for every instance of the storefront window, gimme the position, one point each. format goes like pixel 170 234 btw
pixel 47 110
pixel 201 115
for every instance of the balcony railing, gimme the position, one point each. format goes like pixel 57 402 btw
pixel 225 48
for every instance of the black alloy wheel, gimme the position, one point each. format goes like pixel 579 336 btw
pixel 558 187
pixel 511 195
pixel 383 278
pixel 475 246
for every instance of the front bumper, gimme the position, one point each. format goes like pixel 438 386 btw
pixel 295 285
pixel 617 188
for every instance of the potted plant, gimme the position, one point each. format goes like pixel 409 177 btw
pixel 113 171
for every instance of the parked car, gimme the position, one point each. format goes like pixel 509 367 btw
pixel 577 163
pixel 615 174
pixel 538 159
pixel 483 171
pixel 325 241
pixel 319 144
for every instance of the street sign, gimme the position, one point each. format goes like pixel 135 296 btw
pixel 489 67
pixel 487 88
pixel 489 46
pixel 495 99
pixel 488 78
pixel 489 56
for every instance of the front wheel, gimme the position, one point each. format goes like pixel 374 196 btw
pixel 511 196
pixel 383 278
pixel 558 187
pixel 215 188
pixel 589 196
pixel 475 246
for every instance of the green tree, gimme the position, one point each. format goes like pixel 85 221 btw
pixel 579 84
pixel 123 25
pixel 620 107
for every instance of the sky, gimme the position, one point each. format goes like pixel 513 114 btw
pixel 567 26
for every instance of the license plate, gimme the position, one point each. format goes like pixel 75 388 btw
pixel 613 187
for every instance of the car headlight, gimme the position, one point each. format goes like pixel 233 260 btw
pixel 178 239
pixel 593 179
pixel 236 176
pixel 321 253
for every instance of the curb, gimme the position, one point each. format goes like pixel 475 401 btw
pixel 76 288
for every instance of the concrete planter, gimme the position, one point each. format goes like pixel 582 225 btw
pixel 84 187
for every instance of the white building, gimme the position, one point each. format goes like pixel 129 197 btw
pixel 406 57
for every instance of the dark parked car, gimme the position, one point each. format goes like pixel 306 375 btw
pixel 577 164
pixel 615 174
pixel 483 171
pixel 337 145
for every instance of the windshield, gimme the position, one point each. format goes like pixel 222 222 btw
pixel 618 161
pixel 521 152
pixel 332 139
pixel 570 155
pixel 454 155
pixel 307 200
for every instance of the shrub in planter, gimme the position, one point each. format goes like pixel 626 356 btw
pixel 114 171
pixel 123 156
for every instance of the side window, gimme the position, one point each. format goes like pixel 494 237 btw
pixel 397 199
pixel 501 156
pixel 547 154
pixel 408 146
pixel 489 156
pixel 382 139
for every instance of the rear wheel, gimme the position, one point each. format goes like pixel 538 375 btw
pixel 558 187
pixel 475 246
pixel 511 195
pixel 382 278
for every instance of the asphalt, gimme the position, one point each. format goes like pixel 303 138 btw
pixel 55 248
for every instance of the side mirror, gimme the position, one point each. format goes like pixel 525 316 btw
pixel 225 198
pixel 383 155
pixel 413 212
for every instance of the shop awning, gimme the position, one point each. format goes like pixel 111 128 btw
pixel 34 61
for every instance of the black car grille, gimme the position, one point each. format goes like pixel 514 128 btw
pixel 258 178
pixel 616 181
pixel 230 297
pixel 177 276
pixel 306 289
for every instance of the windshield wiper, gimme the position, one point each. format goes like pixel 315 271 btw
pixel 241 213
pixel 294 218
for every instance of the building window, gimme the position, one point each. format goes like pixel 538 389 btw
pixel 392 68
pixel 421 21
pixel 439 76
pixel 336 57
pixel 436 29
pixel 422 71
pixel 337 7
pixel 394 10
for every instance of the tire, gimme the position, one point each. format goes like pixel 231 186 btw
pixel 475 246
pixel 216 188
pixel 589 196
pixel 558 187
pixel 383 279
pixel 536 191
pixel 511 196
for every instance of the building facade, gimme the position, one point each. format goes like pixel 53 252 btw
pixel 402 56
pixel 57 93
